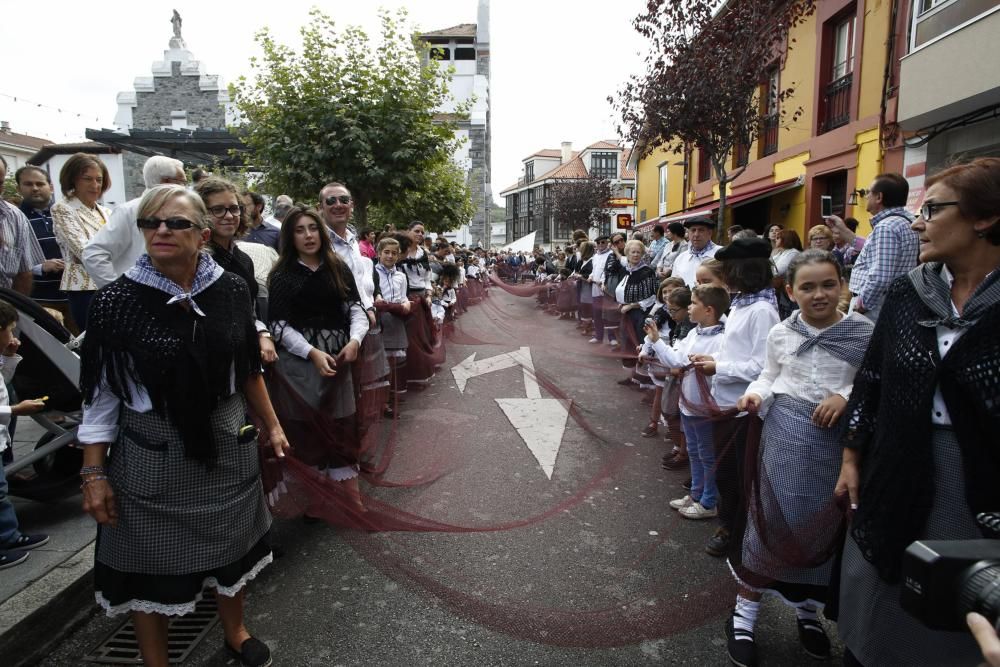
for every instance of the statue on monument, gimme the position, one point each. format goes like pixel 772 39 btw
pixel 176 21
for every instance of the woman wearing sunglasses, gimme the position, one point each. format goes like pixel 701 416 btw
pixel 169 367
pixel 228 223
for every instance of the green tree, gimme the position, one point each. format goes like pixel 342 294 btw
pixel 581 203
pixel 346 108
pixel 441 200
pixel 10 192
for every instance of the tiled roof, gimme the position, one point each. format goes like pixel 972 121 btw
pixel 603 144
pixel 627 173
pixel 572 169
pixel 546 152
pixel 461 30
pixel 23 140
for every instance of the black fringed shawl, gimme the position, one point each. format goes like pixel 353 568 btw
pixel 185 362
pixel 642 282
pixel 238 262
pixel 307 301
pixel 890 422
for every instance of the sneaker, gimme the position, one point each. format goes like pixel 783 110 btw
pixel 627 382
pixel 681 503
pixel 740 645
pixel 677 462
pixel 614 345
pixel 12 558
pixel 593 341
pixel 696 511
pixel 253 653
pixel 813 638
pixel 27 542
pixel 718 545
pixel 649 431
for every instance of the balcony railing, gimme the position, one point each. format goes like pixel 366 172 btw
pixel 769 135
pixel 741 155
pixel 837 103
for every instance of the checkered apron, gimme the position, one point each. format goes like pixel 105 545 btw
pixel 177 515
pixel 799 466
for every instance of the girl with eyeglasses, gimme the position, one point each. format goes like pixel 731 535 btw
pixel 228 222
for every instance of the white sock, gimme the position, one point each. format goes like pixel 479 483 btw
pixel 745 618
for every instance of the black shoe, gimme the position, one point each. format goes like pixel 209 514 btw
pixel 627 382
pixel 253 653
pixel 813 638
pixel 718 546
pixel 12 558
pixel 688 483
pixel 740 646
pixel 27 542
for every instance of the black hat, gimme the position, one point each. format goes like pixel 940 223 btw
pixel 603 237
pixel 756 248
pixel 704 222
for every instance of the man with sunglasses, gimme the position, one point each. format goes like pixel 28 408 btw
pixel 890 250
pixel 114 249
pixel 336 206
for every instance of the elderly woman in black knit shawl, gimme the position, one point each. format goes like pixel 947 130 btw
pixel 921 455
pixel 316 316
pixel 635 284
pixel 169 367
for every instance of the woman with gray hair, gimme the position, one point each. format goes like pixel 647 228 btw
pixel 169 366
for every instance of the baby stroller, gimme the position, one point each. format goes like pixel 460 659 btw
pixel 51 367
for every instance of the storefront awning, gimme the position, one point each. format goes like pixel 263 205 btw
pixel 731 201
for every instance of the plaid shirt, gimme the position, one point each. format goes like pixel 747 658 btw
pixel 19 249
pixel 889 252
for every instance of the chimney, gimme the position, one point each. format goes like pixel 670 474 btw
pixel 567 152
pixel 4 127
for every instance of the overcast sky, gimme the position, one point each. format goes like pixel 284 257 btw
pixel 554 62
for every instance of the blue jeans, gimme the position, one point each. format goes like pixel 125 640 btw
pixel 701 454
pixel 79 304
pixel 8 520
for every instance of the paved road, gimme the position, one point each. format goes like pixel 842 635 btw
pixel 612 577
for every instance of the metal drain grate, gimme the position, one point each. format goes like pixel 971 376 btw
pixel 184 634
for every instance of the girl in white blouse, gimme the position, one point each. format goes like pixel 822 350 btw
pixel 75 220
pixel 812 358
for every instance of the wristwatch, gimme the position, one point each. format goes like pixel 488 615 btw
pixel 265 334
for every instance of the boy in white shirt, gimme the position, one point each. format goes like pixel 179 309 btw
pixel 708 304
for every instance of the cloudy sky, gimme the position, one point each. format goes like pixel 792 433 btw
pixel 553 61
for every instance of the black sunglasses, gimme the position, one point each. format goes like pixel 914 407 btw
pixel 176 224
pixel 333 199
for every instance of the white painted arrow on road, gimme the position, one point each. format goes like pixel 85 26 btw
pixel 539 421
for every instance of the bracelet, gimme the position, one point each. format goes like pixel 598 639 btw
pixel 97 478
pixel 87 470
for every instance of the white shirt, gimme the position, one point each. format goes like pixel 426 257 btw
pixel 272 222
pixel 686 264
pixel 7 367
pixel 782 259
pixel 812 376
pixel 946 339
pixel 348 250
pixel 264 258
pixel 677 357
pixel 115 248
pixel 744 351
pixel 599 261
pixel 416 275
pixel 392 283
pixel 646 303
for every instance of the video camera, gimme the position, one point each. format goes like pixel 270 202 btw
pixel 945 580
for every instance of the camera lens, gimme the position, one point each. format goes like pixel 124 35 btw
pixel 981 591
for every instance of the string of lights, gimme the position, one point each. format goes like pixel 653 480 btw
pixel 19 99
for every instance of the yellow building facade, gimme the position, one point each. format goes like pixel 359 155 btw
pixel 846 94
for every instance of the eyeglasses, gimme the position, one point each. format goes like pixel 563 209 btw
pixel 927 210
pixel 333 199
pixel 176 224
pixel 674 311
pixel 220 211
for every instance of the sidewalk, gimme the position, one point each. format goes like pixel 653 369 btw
pixel 40 585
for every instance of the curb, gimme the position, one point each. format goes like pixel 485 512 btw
pixel 42 614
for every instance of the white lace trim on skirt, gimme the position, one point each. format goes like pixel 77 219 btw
pixel 182 608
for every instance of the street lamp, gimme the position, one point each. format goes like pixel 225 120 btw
pixel 853 199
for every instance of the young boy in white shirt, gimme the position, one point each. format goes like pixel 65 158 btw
pixel 708 304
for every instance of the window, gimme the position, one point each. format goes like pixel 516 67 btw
pixel 604 165
pixel 440 53
pixel 930 4
pixel 843 49
pixel 464 53
pixel 529 172
pixel 704 166
pixel 663 190
pixel 838 72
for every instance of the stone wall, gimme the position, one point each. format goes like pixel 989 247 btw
pixel 132 166
pixel 178 93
